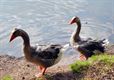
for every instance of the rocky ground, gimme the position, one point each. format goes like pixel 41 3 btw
pixel 20 69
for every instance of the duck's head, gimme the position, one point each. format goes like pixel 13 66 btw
pixel 15 33
pixel 75 19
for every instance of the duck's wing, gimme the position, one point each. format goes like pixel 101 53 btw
pixel 85 40
pixel 92 46
pixel 47 52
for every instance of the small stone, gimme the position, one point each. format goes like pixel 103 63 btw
pixel 28 65
pixel 23 78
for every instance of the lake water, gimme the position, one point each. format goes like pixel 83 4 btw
pixel 46 21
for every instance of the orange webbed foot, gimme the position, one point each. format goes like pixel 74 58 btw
pixel 42 69
pixel 82 57
pixel 40 76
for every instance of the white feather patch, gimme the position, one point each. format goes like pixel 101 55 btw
pixel 105 42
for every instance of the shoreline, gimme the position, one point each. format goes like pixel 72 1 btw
pixel 20 69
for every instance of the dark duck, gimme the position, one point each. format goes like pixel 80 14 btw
pixel 86 47
pixel 43 56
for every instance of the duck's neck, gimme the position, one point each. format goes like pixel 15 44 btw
pixel 26 39
pixel 26 47
pixel 76 36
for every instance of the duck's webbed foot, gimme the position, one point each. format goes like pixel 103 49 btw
pixel 39 75
pixel 83 57
pixel 42 69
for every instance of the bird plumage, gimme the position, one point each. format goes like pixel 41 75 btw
pixel 87 47
pixel 42 55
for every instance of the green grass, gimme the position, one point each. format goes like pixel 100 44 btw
pixel 78 66
pixel 7 77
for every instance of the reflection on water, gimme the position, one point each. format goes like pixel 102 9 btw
pixel 46 21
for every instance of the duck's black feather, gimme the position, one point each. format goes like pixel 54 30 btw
pixel 48 52
pixel 89 47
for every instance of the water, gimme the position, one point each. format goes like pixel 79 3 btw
pixel 46 21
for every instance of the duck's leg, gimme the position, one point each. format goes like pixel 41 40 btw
pixel 83 53
pixel 83 57
pixel 42 69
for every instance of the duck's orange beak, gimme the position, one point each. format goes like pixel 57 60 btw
pixel 12 37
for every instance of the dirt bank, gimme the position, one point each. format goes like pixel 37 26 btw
pixel 20 69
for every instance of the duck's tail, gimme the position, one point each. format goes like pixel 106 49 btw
pixel 65 47
pixel 105 42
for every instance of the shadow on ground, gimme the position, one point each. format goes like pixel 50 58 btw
pixel 62 76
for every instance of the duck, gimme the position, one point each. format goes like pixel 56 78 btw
pixel 43 56
pixel 86 47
